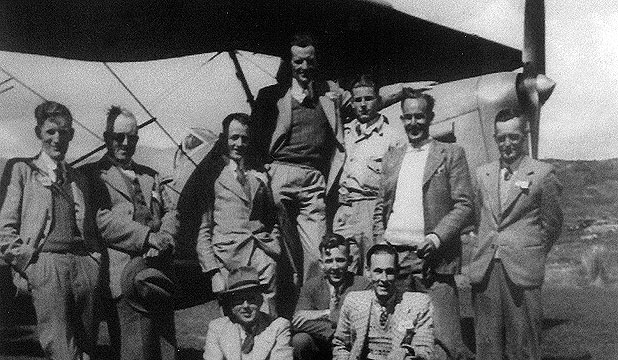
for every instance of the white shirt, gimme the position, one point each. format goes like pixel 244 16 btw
pixel 50 166
pixel 298 92
pixel 406 224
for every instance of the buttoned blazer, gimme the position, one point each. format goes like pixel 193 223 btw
pixel 448 200
pixel 272 115
pixel 27 211
pixel 231 230
pixel 223 341
pixel 113 194
pixel 524 229
pixel 414 312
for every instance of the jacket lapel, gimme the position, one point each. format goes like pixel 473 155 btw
pixel 328 105
pixel 522 175
pixel 491 179
pixel 435 158
pixel 229 181
pixel 45 193
pixel 234 344
pixel 114 179
pixel 284 119
pixel 146 184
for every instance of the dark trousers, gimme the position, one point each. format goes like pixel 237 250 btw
pixel 138 336
pixel 507 317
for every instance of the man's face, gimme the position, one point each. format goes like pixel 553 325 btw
pixel 334 263
pixel 510 138
pixel 365 103
pixel 237 140
pixel 415 120
pixel 122 140
pixel 303 64
pixel 382 274
pixel 245 307
pixel 55 136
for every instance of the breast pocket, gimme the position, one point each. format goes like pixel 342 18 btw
pixel 374 171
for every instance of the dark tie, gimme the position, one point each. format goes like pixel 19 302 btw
pixel 383 317
pixel 507 173
pixel 142 211
pixel 59 176
pixel 247 345
pixel 242 179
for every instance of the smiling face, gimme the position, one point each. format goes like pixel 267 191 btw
pixel 510 137
pixel 245 307
pixel 382 273
pixel 303 64
pixel 334 263
pixel 55 135
pixel 122 139
pixel 237 140
pixel 365 103
pixel 415 119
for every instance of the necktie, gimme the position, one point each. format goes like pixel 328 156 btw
pixel 59 176
pixel 507 173
pixel 242 179
pixel 383 317
pixel 142 210
pixel 247 345
pixel 335 298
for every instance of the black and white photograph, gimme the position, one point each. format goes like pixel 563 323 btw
pixel 308 179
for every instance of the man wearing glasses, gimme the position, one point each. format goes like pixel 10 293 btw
pixel 520 220
pixel 424 205
pixel 135 224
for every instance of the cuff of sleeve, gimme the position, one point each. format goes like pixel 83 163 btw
pixel 434 239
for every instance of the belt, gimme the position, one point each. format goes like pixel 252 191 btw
pixel 347 199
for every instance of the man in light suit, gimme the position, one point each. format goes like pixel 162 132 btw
pixel 137 226
pixel 50 240
pixel 245 332
pixel 520 219
pixel 238 226
pixel 424 205
pixel 384 323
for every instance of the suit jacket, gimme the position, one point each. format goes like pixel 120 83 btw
pixel 525 229
pixel 414 312
pixel 223 341
pixel 26 215
pixel 124 237
pixel 448 206
pixel 233 225
pixel 272 114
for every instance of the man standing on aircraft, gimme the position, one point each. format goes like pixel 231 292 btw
pixel 300 133
pixel 367 138
pixel 137 227
pixel 320 300
pixel 384 322
pixel 48 239
pixel 520 220
pixel 424 205
pixel 238 216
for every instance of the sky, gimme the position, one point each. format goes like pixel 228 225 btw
pixel 578 121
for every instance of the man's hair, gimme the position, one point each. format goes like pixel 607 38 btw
pixel 113 113
pixel 383 249
pixel 51 110
pixel 240 117
pixel 302 40
pixel 331 241
pixel 365 80
pixel 429 100
pixel 508 114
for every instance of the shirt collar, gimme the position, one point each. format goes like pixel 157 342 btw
pixel 298 92
pixel 363 129
pixel 49 164
pixel 512 167
pixel 424 147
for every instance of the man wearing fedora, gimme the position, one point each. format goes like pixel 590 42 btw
pixel 245 332
pixel 136 226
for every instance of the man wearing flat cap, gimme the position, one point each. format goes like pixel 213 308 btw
pixel 245 332
pixel 136 225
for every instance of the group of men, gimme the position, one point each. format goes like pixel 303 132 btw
pixel 288 190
